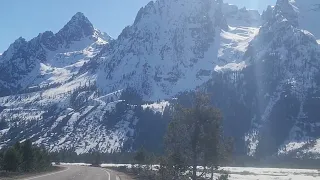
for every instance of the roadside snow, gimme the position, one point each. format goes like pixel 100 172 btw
pixel 75 164
pixel 251 173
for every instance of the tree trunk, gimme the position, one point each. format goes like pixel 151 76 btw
pixel 194 168
pixel 194 152
pixel 212 170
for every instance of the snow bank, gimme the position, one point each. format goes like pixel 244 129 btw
pixel 75 164
pixel 251 173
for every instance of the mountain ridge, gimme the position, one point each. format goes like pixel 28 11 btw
pixel 24 58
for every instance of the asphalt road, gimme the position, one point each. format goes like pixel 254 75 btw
pixel 77 173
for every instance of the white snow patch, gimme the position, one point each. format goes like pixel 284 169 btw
pixel 157 107
pixel 315 149
pixel 231 67
pixel 291 146
pixel 75 164
pixel 3 131
pixel 234 43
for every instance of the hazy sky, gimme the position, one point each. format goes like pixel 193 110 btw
pixel 28 18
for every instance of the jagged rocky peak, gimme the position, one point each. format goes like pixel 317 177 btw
pixel 14 47
pixel 241 17
pixel 172 11
pixel 282 28
pixel 49 40
pixel 299 13
pixel 77 28
pixel 143 11
pixel 285 10
pixel 21 63
pixel 267 14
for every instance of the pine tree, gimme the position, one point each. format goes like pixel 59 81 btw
pixel 140 157
pixel 27 156
pixel 194 135
pixel 1 160
pixel 10 160
pixel 96 159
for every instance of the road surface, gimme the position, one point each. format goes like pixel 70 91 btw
pixel 77 173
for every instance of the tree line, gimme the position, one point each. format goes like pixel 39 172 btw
pixel 24 157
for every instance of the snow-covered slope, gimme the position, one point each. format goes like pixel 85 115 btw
pixel 173 46
pixel 43 71
pixel 170 45
pixel 49 59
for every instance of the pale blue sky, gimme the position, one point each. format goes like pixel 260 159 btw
pixel 27 18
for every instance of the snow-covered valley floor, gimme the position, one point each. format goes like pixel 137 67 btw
pixel 250 173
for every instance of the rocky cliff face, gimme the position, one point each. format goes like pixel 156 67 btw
pixel 274 95
pixel 170 44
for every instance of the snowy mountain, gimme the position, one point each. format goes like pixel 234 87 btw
pixel 170 44
pixel 173 44
pixel 273 92
pixel 49 59
pixel 40 75
pixel 76 89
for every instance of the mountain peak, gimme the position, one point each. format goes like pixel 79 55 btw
pixel 78 27
pixel 79 15
pixel 287 9
pixel 18 43
pixel 80 19
pixel 283 11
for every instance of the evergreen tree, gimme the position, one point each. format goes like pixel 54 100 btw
pixel 10 160
pixel 194 135
pixel 96 159
pixel 41 159
pixel 1 160
pixel 131 96
pixel 140 157
pixel 3 123
pixel 27 156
